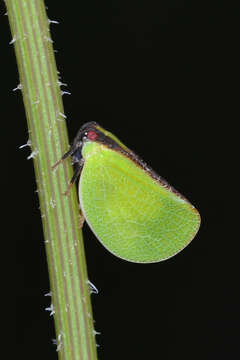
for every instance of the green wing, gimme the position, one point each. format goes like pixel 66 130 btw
pixel 132 215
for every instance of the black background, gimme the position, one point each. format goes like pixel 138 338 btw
pixel 161 76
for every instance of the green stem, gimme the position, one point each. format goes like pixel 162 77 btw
pixel 60 214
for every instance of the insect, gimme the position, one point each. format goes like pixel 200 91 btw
pixel 132 211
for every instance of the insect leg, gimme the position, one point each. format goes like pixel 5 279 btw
pixel 82 219
pixel 67 154
pixel 75 175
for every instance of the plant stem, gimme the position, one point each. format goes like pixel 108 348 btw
pixel 60 214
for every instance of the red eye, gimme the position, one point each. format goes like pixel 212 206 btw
pixel 92 135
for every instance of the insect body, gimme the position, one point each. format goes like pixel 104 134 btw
pixel 133 212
